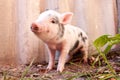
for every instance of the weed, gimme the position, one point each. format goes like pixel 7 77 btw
pixel 26 71
pixel 106 41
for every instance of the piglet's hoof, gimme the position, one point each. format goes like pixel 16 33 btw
pixel 42 70
pixel 85 61
pixel 47 70
pixel 60 69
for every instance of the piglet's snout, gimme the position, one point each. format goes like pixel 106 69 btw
pixel 34 27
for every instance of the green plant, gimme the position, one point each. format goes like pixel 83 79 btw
pixel 106 41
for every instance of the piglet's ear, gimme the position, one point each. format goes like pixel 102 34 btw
pixel 66 17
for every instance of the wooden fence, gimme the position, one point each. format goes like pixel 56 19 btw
pixel 19 45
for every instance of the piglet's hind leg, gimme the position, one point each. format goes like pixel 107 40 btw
pixel 85 54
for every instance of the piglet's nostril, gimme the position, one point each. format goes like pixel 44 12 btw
pixel 35 28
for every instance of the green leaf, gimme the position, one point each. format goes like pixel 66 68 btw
pixel 115 39
pixel 112 41
pixel 115 42
pixel 117 36
pixel 107 49
pixel 101 41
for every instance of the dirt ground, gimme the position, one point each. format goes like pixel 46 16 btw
pixel 75 70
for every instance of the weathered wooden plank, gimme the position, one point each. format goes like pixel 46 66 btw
pixel 7 32
pixel 29 46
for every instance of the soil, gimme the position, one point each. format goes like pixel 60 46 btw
pixel 75 70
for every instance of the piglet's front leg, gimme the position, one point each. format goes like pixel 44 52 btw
pixel 51 59
pixel 62 58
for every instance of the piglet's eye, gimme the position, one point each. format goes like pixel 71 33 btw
pixel 53 21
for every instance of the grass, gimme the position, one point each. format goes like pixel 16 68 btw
pixel 26 71
pixel 98 73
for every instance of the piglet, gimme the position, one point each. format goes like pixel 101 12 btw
pixel 55 30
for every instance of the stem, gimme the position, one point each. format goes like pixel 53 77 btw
pixel 106 61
